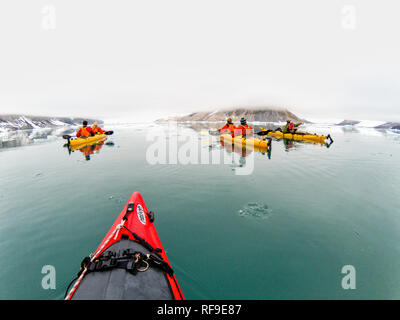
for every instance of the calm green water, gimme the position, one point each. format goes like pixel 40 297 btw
pixel 283 232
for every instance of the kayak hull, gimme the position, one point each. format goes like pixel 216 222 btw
pixel 91 144
pixel 119 284
pixel 77 143
pixel 250 142
pixel 297 137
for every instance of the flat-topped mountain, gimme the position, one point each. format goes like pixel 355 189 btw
pixel 252 115
pixel 348 123
pixel 11 122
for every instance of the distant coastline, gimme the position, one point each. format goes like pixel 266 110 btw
pixel 266 114
pixel 15 122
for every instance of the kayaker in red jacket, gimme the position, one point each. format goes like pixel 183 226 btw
pixel 243 129
pixel 229 127
pixel 96 129
pixel 85 131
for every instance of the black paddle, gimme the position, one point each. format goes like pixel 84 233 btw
pixel 263 133
pixel 214 133
pixel 68 137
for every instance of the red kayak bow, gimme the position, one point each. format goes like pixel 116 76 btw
pixel 130 262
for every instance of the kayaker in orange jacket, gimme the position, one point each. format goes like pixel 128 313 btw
pixel 96 129
pixel 85 131
pixel 229 127
pixel 243 129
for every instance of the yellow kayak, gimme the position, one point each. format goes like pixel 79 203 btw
pixel 245 151
pixel 81 142
pixel 248 142
pixel 94 143
pixel 301 136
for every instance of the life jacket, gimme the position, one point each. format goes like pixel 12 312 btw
pixel 245 129
pixel 84 132
pixel 291 126
pixel 96 129
pixel 229 128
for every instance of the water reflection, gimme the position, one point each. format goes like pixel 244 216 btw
pixel 90 149
pixel 291 145
pixel 245 151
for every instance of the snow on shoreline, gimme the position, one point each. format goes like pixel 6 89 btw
pixel 12 123
pixel 369 123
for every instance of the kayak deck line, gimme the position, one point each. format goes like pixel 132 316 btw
pixel 78 281
pixel 130 262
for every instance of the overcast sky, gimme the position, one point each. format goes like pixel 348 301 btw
pixel 153 58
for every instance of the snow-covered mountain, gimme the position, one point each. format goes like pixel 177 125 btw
pixel 389 125
pixel 251 114
pixel 23 122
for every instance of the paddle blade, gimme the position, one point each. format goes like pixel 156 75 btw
pixel 214 133
pixel 65 136
pixel 109 133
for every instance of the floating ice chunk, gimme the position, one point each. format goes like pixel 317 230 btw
pixel 255 210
